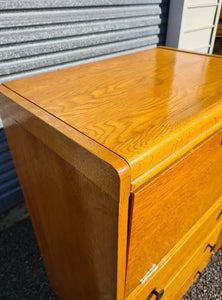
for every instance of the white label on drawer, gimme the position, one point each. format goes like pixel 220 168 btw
pixel 149 273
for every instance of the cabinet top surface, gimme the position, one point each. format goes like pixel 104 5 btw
pixel 142 106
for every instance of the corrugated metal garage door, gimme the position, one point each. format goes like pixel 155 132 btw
pixel 45 35
pixel 10 191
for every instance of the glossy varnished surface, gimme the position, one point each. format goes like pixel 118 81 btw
pixel 143 106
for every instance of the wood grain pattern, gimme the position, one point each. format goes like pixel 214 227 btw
pixel 71 166
pixel 164 210
pixel 173 263
pixel 145 106
pixel 69 224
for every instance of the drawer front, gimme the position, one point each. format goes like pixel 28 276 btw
pixel 199 17
pixel 166 209
pixel 196 39
pixel 170 272
pixel 185 277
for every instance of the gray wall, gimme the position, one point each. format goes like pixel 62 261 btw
pixel 45 35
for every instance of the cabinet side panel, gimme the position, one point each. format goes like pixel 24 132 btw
pixel 76 223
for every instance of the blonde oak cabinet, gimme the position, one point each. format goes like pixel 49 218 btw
pixel 120 162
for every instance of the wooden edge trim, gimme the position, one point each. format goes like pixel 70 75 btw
pixel 213 119
pixel 190 52
pixel 140 182
pixel 39 123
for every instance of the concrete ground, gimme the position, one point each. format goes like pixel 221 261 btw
pixel 23 276
pixel 22 273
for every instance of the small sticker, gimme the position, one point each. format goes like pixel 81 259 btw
pixel 149 273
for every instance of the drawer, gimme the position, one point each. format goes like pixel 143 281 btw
pixel 175 261
pixel 166 209
pixel 189 273
pixel 196 39
pixel 199 17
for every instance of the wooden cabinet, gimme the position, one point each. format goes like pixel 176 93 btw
pixel 120 166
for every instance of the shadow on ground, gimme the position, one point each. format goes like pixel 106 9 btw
pixel 22 274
